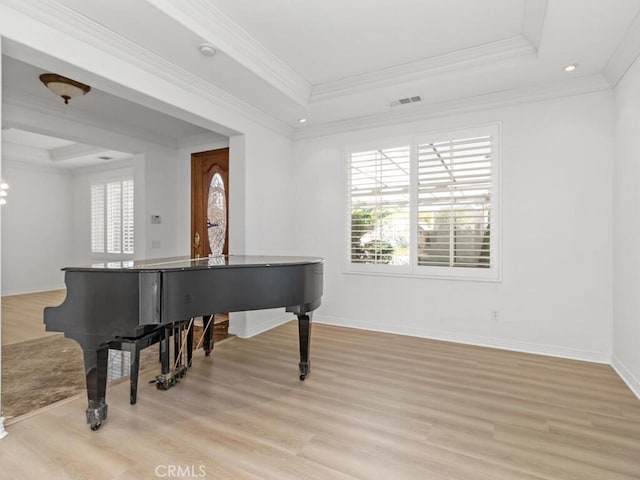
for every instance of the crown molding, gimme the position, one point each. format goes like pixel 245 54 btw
pixel 84 30
pixel 17 152
pixel 75 150
pixel 479 55
pixel 565 88
pixel 626 54
pixel 214 26
pixel 33 165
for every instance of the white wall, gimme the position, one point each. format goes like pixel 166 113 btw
pixel 556 292
pixel 37 221
pixel 161 190
pixel 626 225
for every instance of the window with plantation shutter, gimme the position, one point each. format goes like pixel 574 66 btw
pixel 428 207
pixel 454 202
pixel 380 206
pixel 112 208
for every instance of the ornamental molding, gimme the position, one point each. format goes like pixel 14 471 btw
pixel 536 93
pixel 512 48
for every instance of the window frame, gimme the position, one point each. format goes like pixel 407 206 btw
pixel 119 176
pixel 488 274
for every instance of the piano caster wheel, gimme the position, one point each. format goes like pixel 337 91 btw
pixel 207 353
pixel 95 426
pixel 302 376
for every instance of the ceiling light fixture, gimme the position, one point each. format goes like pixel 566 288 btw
pixel 63 86
pixel 571 67
pixel 207 50
pixel 302 120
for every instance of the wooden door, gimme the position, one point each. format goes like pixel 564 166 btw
pixel 204 165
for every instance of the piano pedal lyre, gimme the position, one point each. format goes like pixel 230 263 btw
pixel 165 381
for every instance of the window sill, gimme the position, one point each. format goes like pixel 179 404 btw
pixel 495 277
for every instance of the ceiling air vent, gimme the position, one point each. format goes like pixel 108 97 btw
pixel 406 101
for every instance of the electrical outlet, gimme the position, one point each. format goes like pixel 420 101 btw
pixel 155 243
pixel 494 315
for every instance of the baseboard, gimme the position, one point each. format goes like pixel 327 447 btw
pixel 481 341
pixel 24 291
pixel 627 377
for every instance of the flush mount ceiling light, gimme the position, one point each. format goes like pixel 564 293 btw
pixel 207 50
pixel 302 120
pixel 63 86
pixel 571 67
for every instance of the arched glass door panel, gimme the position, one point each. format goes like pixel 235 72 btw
pixel 216 215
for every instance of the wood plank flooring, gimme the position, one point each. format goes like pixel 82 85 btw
pixel 376 406
pixel 22 318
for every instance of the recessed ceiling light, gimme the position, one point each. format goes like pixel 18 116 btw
pixel 207 50
pixel 571 67
pixel 302 120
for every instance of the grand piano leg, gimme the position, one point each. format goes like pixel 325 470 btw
pixel 165 358
pixel 304 332
pixel 190 344
pixel 96 357
pixel 207 334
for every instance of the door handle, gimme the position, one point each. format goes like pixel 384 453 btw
pixel 196 243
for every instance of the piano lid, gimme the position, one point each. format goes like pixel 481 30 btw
pixel 192 263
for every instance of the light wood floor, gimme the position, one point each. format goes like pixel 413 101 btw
pixel 376 406
pixel 22 317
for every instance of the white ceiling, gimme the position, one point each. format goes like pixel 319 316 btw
pixel 332 40
pixel 337 61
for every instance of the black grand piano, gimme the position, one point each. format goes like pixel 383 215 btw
pixel 111 301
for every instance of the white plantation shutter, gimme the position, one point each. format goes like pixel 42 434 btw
pixel 112 209
pixel 127 216
pixel 114 217
pixel 428 208
pixel 455 185
pixel 97 218
pixel 379 207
